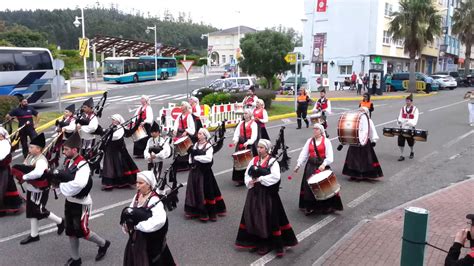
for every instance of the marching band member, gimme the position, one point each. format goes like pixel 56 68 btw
pixel 87 125
pixel 367 104
pixel 361 161
pixel 203 197
pixel 119 170
pixel 146 115
pixel 78 203
pixel 323 105
pixel 67 124
pixel 37 196
pixel 183 126
pixel 261 117
pixel 10 200
pixel 302 108
pixel 250 101
pixel 245 137
pixel 408 118
pixel 470 96
pixel 264 225
pixel 196 108
pixel 25 114
pixel 147 242
pixel 157 149
pixel 317 153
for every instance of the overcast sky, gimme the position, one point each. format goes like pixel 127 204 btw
pixel 257 14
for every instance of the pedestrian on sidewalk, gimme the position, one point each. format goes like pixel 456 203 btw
pixel 360 83
pixel 353 81
pixel 470 105
pixel 459 242
pixel 302 108
pixel 388 82
pixel 375 84
pixel 365 80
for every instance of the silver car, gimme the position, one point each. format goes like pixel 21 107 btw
pixel 445 81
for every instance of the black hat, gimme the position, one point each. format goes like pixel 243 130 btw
pixel 155 127
pixel 470 217
pixel 71 108
pixel 410 97
pixel 39 141
pixel 74 141
pixel 89 103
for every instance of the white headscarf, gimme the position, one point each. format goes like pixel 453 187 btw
pixel 4 132
pixel 146 98
pixel 260 101
pixel 118 118
pixel 148 177
pixel 188 106
pixel 249 112
pixel 265 143
pixel 194 99
pixel 321 127
pixel 205 132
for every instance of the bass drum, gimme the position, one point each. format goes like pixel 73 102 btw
pixel 353 128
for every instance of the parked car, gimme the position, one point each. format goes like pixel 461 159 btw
pixel 290 82
pixel 219 85
pixel 466 80
pixel 398 78
pixel 245 82
pixel 445 81
pixel 454 74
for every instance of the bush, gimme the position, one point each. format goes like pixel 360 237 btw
pixel 203 93
pixel 264 83
pixel 7 103
pixel 216 98
pixel 266 95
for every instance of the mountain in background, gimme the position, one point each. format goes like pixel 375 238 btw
pixel 57 26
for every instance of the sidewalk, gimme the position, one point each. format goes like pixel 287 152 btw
pixel 378 241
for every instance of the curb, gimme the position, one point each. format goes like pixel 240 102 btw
pixel 46 125
pixel 342 99
pixel 66 97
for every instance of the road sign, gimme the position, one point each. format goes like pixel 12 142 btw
pixel 290 58
pixel 58 64
pixel 321 6
pixel 378 60
pixel 187 64
pixel 84 47
pixel 175 112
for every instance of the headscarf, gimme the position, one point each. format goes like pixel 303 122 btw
pixel 205 132
pixel 321 127
pixel 194 99
pixel 148 177
pixel 260 101
pixel 249 112
pixel 187 105
pixel 118 118
pixel 265 143
pixel 4 133
pixel 146 98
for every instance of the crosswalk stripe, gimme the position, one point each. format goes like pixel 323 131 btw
pixel 158 97
pixel 133 99
pixel 74 100
pixel 182 97
pixel 122 98
pixel 172 96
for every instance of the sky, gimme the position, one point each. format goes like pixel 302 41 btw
pixel 258 14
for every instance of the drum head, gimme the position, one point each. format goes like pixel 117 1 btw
pixel 240 152
pixel 363 129
pixel 182 139
pixel 316 178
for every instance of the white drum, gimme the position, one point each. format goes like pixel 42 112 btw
pixel 353 128
pixel 324 185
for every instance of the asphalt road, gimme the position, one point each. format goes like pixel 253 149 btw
pixel 446 158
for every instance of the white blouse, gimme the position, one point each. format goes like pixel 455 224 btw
pixel 266 180
pixel 253 137
pixel 304 154
pixel 156 221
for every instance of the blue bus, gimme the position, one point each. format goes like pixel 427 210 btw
pixel 27 72
pixel 134 69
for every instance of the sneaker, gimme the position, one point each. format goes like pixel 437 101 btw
pixel 60 227
pixel 102 251
pixel 411 155
pixel 71 262
pixel 29 239
pixel 401 158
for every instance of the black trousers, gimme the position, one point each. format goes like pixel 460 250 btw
pixel 401 141
pixel 28 131
pixel 301 113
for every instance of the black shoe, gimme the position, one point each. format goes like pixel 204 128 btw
pixel 29 239
pixel 102 251
pixel 307 123
pixel 401 159
pixel 71 262
pixel 61 227
pixel 327 135
pixel 412 154
pixel 298 128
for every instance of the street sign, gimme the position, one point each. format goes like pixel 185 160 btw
pixel 321 6
pixel 84 47
pixel 58 64
pixel 378 60
pixel 290 58
pixel 204 69
pixel 175 112
pixel 187 64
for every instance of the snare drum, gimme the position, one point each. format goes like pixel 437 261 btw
pixel 388 132
pixel 316 118
pixel 182 145
pixel 420 135
pixel 242 159
pixel 139 134
pixel 407 133
pixel 324 185
pixel 396 131
pixel 353 128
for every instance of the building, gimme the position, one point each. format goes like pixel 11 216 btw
pixel 224 46
pixel 450 46
pixel 357 40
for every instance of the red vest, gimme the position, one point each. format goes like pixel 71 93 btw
pixel 258 113
pixel 410 113
pixel 143 112
pixel 183 122
pixel 264 163
pixel 76 161
pixel 248 129
pixel 322 103
pixel 249 100
pixel 321 149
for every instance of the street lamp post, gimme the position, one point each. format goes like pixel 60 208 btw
pixel 156 48
pixel 77 23
pixel 238 45
pixel 207 57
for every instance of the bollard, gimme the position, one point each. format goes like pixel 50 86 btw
pixel 415 229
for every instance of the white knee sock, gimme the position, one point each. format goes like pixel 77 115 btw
pixel 411 149
pixel 53 217
pixel 34 227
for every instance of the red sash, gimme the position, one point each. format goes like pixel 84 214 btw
pixel 183 122
pixel 264 163
pixel 258 113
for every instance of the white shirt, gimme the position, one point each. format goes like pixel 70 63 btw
pixel 327 110
pixel 253 137
pixel 72 125
pixel 163 154
pixel 41 165
pixel 5 148
pixel 304 154
pixel 87 130
pixel 149 114
pixel 207 158
pixel 190 122
pixel 265 116
pixel 373 136
pixel 407 122
pixel 118 134
pixel 266 180
pixel 73 187
pixel 156 221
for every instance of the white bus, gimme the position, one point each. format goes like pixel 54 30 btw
pixel 27 72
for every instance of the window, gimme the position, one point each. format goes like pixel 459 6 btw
pixel 223 59
pixel 243 82
pixel 231 58
pixel 386 37
pixel 24 60
pixel 388 9
pixel 345 70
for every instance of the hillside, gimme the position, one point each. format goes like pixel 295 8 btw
pixel 58 28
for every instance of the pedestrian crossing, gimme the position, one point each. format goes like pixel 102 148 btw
pixel 129 99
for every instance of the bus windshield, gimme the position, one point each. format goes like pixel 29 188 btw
pixel 113 67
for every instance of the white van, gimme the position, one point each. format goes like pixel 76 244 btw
pixel 246 82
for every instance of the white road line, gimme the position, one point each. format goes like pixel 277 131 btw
pixel 172 97
pixel 354 203
pixel 75 100
pixel 454 156
pixel 301 236
pixel 16 156
pixel 426 157
pixel 446 106
pixel 456 140
pixel 133 99
pixel 224 172
pixel 181 98
pixel 122 98
pixel 158 97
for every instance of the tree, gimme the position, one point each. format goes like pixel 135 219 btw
pixel 416 23
pixel 21 36
pixel 264 54
pixel 463 27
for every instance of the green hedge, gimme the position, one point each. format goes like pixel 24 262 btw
pixel 221 97
pixel 203 93
pixel 7 103
pixel 264 83
pixel 216 98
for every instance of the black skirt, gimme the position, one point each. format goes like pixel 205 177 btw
pixel 307 199
pixel 264 222
pixel 10 199
pixel 263 131
pixel 361 161
pixel 139 146
pixel 203 196
pixel 36 204
pixel 146 249
pixel 119 169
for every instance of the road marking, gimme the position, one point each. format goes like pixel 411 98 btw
pixel 454 156
pixel 173 96
pixel 16 156
pixel 158 97
pixel 286 120
pixel 123 98
pixel 132 99
pixel 182 97
pixel 456 140
pixel 224 172
pixel 301 236
pixel 426 157
pixel 361 198
pixel 55 229
pixel 446 106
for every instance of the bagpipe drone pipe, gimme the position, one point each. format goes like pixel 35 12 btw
pixel 83 120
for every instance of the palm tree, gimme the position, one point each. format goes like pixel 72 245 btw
pixel 463 27
pixel 417 22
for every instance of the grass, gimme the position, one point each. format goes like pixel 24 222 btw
pixel 279 109
pixel 45 117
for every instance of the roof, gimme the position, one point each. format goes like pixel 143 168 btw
pixel 123 47
pixel 233 31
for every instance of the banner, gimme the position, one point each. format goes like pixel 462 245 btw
pixel 321 6
pixel 318 48
pixel 84 47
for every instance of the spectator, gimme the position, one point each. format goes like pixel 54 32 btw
pixel 461 237
pixel 428 81
pixel 365 80
pixel 374 84
pixel 360 83
pixel 353 80
pixel 388 82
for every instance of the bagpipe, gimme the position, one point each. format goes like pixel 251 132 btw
pixel 83 120
pixel 15 135
pixel 52 152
